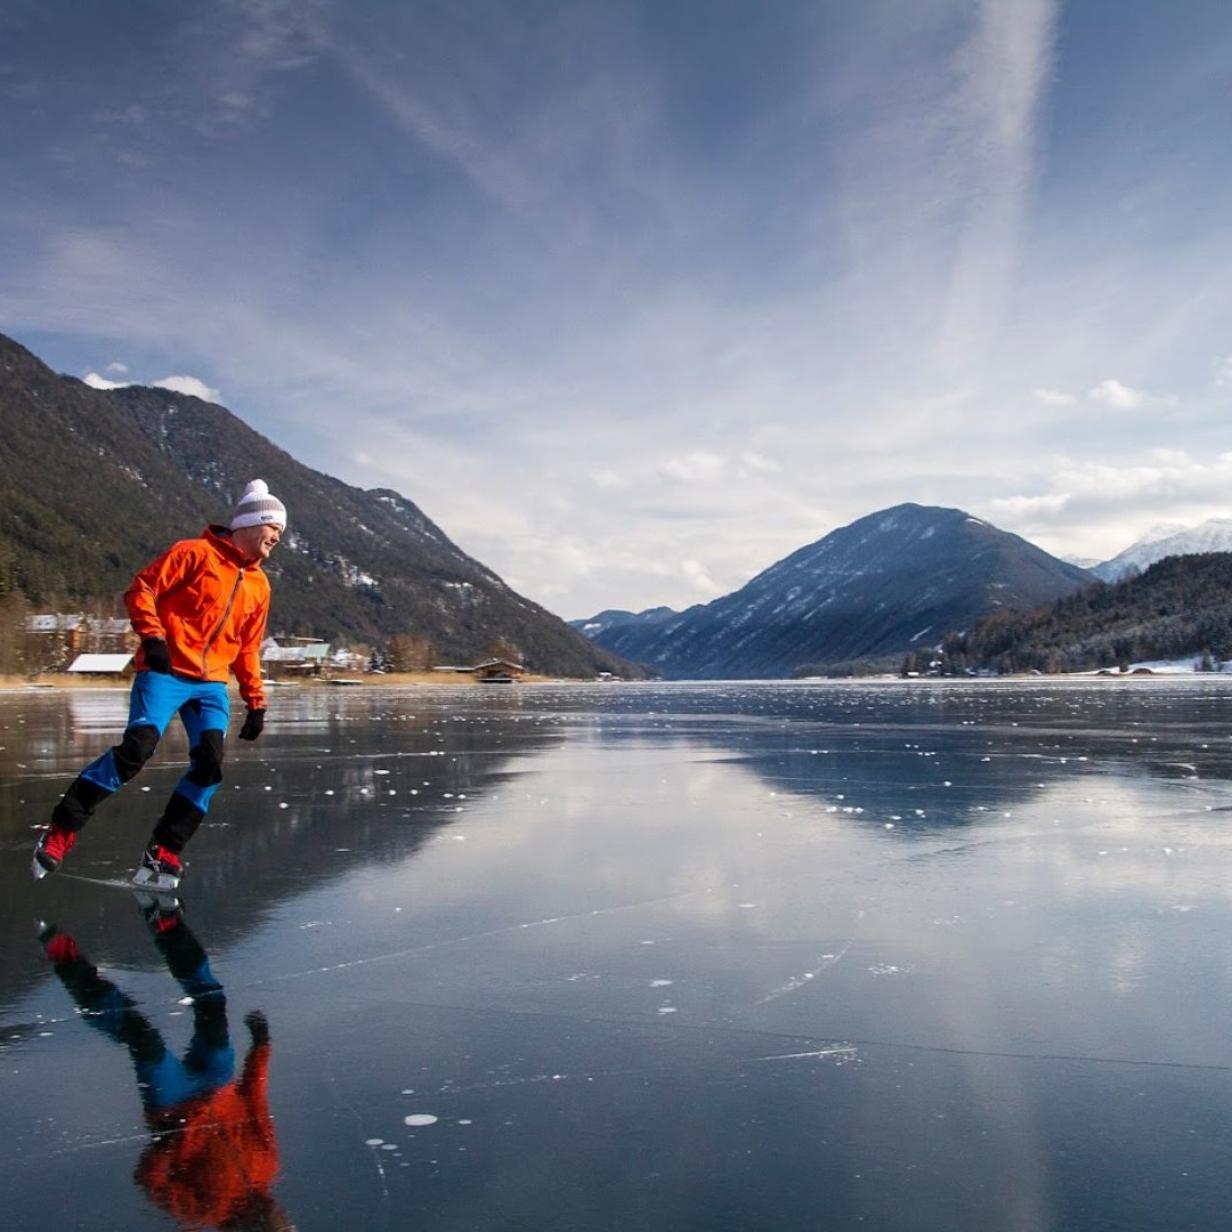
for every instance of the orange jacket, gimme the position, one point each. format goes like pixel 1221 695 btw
pixel 209 606
pixel 215 1156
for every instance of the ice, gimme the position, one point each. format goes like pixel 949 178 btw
pixel 1027 959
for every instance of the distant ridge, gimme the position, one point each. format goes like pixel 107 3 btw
pixel 93 483
pixel 615 626
pixel 894 581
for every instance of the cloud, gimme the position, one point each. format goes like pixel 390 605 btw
pixel 1223 370
pixel 442 123
pixel 101 382
pixel 189 385
pixel 759 462
pixel 696 467
pixel 116 366
pixel 1097 508
pixel 1173 474
pixel 609 479
pixel 1020 506
pixel 694 572
pixel 280 35
pixel 989 158
pixel 1112 393
pixel 1054 397
pixel 235 106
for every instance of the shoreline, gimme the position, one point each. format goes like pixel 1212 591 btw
pixel 64 682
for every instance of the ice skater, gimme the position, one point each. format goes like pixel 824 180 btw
pixel 200 611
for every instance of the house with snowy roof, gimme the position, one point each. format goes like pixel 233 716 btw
pixel 294 656
pixel 117 665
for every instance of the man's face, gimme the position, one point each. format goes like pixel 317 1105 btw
pixel 257 542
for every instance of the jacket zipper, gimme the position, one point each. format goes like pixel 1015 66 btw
pixel 205 653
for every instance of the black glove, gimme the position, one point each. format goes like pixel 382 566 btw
pixel 157 656
pixel 257 1026
pixel 254 724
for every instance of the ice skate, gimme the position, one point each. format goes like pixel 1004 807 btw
pixel 160 869
pixel 53 845
pixel 161 909
pixel 58 946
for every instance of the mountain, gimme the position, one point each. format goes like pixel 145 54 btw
pixel 1181 606
pixel 93 483
pixel 894 581
pixel 616 627
pixel 1167 539
pixel 617 618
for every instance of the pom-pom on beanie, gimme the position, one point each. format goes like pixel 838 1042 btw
pixel 258 507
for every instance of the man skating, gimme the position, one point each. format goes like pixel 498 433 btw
pixel 200 611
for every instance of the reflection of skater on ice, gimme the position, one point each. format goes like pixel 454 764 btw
pixel 213 1156
pixel 200 611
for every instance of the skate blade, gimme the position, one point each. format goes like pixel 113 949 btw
pixel 157 883
pixel 149 899
pixel 38 870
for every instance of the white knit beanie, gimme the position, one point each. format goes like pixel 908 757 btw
pixel 258 508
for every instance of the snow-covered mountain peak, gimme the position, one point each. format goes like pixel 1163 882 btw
pixel 1161 530
pixel 1213 535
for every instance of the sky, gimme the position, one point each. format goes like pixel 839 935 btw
pixel 635 297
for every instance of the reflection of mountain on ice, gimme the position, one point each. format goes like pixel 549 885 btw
pixel 916 762
pixel 1168 539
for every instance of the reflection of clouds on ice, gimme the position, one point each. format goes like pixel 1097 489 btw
pixel 1131 837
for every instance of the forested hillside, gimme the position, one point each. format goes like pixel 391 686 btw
pixel 1180 606
pixel 94 483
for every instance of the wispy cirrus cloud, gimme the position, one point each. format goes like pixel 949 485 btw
pixel 696 467
pixel 1003 71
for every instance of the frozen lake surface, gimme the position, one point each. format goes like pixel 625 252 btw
pixel 919 957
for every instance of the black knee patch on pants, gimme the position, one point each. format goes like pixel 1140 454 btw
pixel 78 804
pixel 206 759
pixel 134 751
pixel 178 823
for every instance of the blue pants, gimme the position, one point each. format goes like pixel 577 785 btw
pixel 204 709
pixel 164 1079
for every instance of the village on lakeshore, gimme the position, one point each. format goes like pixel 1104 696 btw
pixel 76 649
